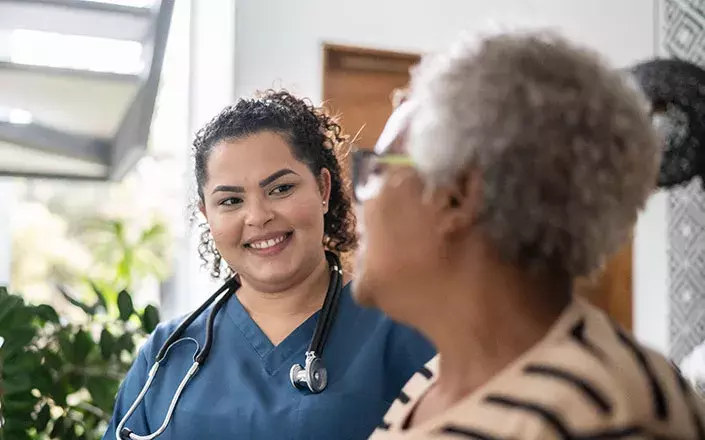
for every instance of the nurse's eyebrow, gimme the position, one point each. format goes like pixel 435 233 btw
pixel 262 183
pixel 283 172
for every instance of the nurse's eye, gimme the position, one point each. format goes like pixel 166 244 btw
pixel 281 190
pixel 231 201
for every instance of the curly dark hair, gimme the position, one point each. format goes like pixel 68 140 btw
pixel 316 139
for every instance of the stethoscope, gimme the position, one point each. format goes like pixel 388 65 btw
pixel 313 375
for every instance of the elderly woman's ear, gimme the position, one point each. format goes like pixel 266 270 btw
pixel 459 204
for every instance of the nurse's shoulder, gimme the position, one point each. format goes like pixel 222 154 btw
pixel 406 350
pixel 137 377
pixel 161 334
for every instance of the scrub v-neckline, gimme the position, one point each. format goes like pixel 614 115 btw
pixel 273 356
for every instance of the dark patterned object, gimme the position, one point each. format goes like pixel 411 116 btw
pixel 676 89
pixel 684 30
pixel 682 36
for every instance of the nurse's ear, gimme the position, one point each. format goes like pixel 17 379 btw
pixel 324 186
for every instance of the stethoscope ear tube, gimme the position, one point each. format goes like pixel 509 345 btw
pixel 330 306
pixel 231 285
pixel 314 375
pixel 201 357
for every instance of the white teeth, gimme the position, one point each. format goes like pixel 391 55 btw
pixel 265 244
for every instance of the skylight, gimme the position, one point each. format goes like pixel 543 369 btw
pixel 135 3
pixel 16 116
pixel 79 52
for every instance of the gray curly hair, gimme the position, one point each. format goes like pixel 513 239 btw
pixel 564 145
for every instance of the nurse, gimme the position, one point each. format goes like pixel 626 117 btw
pixel 271 188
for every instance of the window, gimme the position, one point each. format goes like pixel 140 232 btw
pixel 50 49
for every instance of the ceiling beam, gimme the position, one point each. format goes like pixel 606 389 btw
pixel 49 140
pixel 55 176
pixel 133 134
pixel 91 6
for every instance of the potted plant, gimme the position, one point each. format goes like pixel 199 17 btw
pixel 58 379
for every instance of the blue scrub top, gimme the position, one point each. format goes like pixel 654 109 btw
pixel 243 390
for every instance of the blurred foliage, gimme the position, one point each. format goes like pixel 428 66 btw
pixel 125 259
pixel 58 379
pixel 104 252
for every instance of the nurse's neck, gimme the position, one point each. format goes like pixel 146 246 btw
pixel 279 310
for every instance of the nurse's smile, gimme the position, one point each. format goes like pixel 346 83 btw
pixel 269 245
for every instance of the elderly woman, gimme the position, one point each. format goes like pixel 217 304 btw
pixel 514 166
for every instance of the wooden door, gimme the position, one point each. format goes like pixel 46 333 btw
pixel 358 85
pixel 611 289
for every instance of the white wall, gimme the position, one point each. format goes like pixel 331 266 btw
pixel 650 274
pixel 211 63
pixel 278 44
pixel 279 41
pixel 7 202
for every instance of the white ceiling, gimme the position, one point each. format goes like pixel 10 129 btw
pixel 75 21
pixel 87 104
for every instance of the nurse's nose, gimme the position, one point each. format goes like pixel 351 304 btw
pixel 258 213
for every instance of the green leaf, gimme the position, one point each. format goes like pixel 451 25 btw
pixel 17 383
pixel 125 342
pixel 70 433
pixel 155 233
pixel 52 360
pixel 60 391
pixel 46 313
pixel 119 229
pixel 19 403
pixel 103 391
pixel 21 362
pixel 83 344
pixel 17 341
pixel 76 381
pixel 43 381
pixel 124 268
pixel 14 314
pixel 150 318
pixel 125 305
pixel 43 417
pixel 107 344
pixel 14 433
pixel 68 296
pixel 100 295
pixel 16 429
pixel 66 346
pixel 59 428
pixel 7 305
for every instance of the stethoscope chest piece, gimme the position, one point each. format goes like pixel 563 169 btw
pixel 313 376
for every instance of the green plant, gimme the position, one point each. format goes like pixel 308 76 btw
pixel 124 255
pixel 58 379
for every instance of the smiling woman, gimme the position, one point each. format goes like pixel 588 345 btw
pixel 276 207
pixel 276 243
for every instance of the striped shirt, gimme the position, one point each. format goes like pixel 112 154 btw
pixel 586 379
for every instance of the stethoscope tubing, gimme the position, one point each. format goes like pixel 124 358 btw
pixel 323 327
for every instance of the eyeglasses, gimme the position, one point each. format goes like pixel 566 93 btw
pixel 368 171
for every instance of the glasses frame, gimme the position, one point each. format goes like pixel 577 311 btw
pixel 360 154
